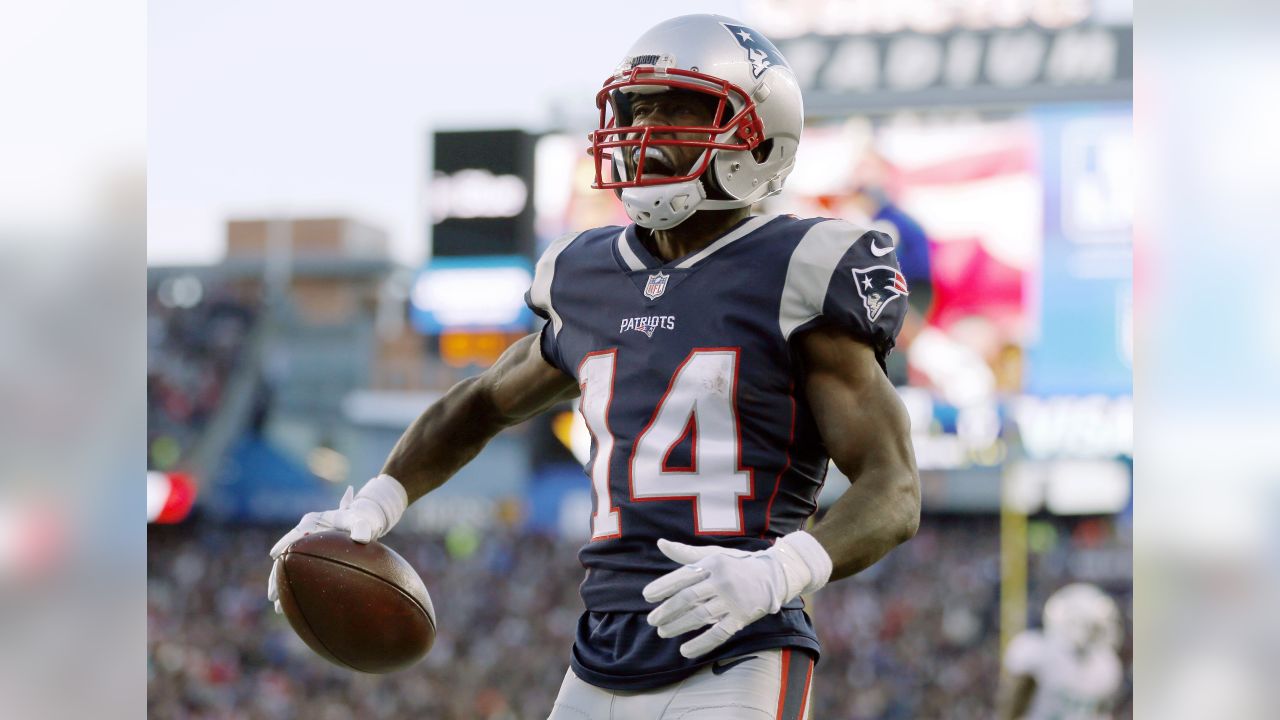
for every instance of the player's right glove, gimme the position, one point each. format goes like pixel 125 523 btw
pixel 367 515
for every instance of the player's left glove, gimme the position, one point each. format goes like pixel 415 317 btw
pixel 730 589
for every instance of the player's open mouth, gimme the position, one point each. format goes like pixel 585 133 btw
pixel 656 162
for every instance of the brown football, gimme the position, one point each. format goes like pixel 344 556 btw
pixel 361 606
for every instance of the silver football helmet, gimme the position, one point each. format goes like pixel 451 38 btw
pixel 759 115
pixel 1083 617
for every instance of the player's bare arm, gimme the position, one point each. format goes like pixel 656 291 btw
pixel 866 431
pixel 444 438
pixel 456 428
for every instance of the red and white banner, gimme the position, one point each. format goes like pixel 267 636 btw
pixel 169 496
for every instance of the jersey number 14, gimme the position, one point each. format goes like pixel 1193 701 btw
pixel 700 403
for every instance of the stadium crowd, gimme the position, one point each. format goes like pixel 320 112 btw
pixel 914 637
pixel 191 352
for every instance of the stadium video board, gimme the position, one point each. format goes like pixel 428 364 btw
pixel 480 193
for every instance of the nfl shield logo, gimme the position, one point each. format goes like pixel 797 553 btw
pixel 656 286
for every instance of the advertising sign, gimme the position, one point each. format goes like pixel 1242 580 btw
pixel 1082 334
pixel 1028 65
pixel 480 194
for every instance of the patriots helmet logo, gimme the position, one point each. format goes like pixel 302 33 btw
pixel 762 54
pixel 878 286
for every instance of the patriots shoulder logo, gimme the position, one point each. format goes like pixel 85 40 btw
pixel 878 286
pixel 762 54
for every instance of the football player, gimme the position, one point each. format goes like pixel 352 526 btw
pixel 1070 670
pixel 720 359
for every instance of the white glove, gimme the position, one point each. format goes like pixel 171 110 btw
pixel 367 515
pixel 730 589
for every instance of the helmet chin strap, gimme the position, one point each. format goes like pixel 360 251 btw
pixel 662 207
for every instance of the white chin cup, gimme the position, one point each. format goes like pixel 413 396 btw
pixel 662 207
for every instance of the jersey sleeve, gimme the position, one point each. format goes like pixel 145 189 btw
pixel 843 275
pixel 540 299
pixel 1024 653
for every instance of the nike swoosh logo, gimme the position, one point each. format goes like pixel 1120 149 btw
pixel 721 668
pixel 879 251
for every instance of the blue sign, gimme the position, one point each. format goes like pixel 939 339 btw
pixel 472 293
pixel 1080 301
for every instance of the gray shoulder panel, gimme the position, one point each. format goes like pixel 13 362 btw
pixel 544 273
pixel 809 272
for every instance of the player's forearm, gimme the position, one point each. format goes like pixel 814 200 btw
pixel 448 435
pixel 880 511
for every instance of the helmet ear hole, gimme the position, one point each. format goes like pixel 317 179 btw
pixel 762 151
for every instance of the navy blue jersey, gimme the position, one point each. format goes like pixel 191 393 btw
pixel 692 391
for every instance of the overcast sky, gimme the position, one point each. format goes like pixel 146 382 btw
pixel 305 107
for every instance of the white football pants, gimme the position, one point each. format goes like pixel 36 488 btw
pixel 764 685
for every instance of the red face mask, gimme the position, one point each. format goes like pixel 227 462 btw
pixel 743 131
